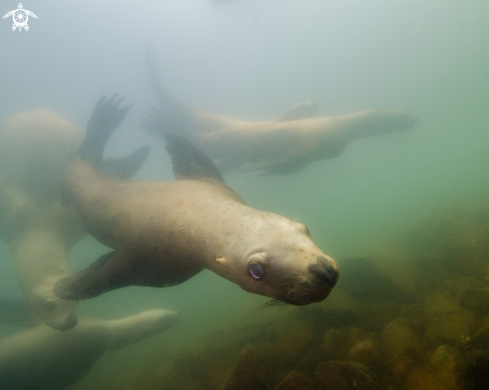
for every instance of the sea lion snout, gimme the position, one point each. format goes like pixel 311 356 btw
pixel 325 271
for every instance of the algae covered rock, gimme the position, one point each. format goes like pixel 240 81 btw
pixel 336 375
pixel 366 351
pixel 439 374
pixel 246 373
pixel 217 371
pixel 400 347
pixel 364 281
pixel 295 381
pixel 446 321
pixel 476 300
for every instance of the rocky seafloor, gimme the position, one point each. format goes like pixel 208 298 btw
pixel 410 313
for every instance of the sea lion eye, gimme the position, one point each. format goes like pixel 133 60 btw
pixel 256 271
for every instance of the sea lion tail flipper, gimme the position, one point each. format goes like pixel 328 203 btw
pixel 300 111
pixel 111 271
pixel 126 167
pixel 171 113
pixel 106 116
pixel 189 162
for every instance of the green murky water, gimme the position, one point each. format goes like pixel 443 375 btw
pixel 405 215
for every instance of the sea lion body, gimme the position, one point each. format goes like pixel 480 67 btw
pixel 164 233
pixel 44 359
pixel 35 148
pixel 283 145
pixel 286 147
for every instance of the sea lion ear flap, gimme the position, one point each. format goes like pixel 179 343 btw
pixel 189 162
pixel 126 167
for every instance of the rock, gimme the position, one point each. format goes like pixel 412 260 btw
pixel 335 346
pixel 295 381
pixel 338 301
pixel 481 336
pixel 336 375
pixel 337 342
pixel 400 347
pixel 446 321
pixel 476 300
pixel 457 286
pixel 217 371
pixel 395 263
pixel 293 339
pixel 365 351
pixel 363 280
pixel 246 373
pixel 440 373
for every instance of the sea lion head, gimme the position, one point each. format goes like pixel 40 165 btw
pixel 280 261
pixel 57 313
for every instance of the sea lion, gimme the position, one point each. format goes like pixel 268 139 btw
pixel 164 233
pixel 285 145
pixel 39 228
pixel 289 147
pixel 44 359
pixel 192 122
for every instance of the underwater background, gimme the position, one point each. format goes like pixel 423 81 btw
pixel 409 209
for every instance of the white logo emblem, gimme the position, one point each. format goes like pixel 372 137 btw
pixel 20 17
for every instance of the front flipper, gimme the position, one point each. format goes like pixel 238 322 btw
pixel 189 162
pixel 111 271
pixel 119 269
pixel 106 116
pixel 127 167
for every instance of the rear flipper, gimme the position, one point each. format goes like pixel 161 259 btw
pixel 126 167
pixel 105 118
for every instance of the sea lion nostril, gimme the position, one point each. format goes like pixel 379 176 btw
pixel 324 271
pixel 321 272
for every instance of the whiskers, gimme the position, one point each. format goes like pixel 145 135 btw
pixel 274 303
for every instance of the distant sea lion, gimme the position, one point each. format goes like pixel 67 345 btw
pixel 164 233
pixel 289 147
pixel 44 359
pixel 282 146
pixel 35 147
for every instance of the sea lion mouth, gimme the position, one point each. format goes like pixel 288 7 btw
pixel 69 323
pixel 309 293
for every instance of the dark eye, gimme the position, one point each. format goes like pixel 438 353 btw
pixel 256 271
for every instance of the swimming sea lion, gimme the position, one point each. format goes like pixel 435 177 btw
pixel 44 359
pixel 191 122
pixel 34 149
pixel 40 230
pixel 288 147
pixel 164 233
pixel 285 145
